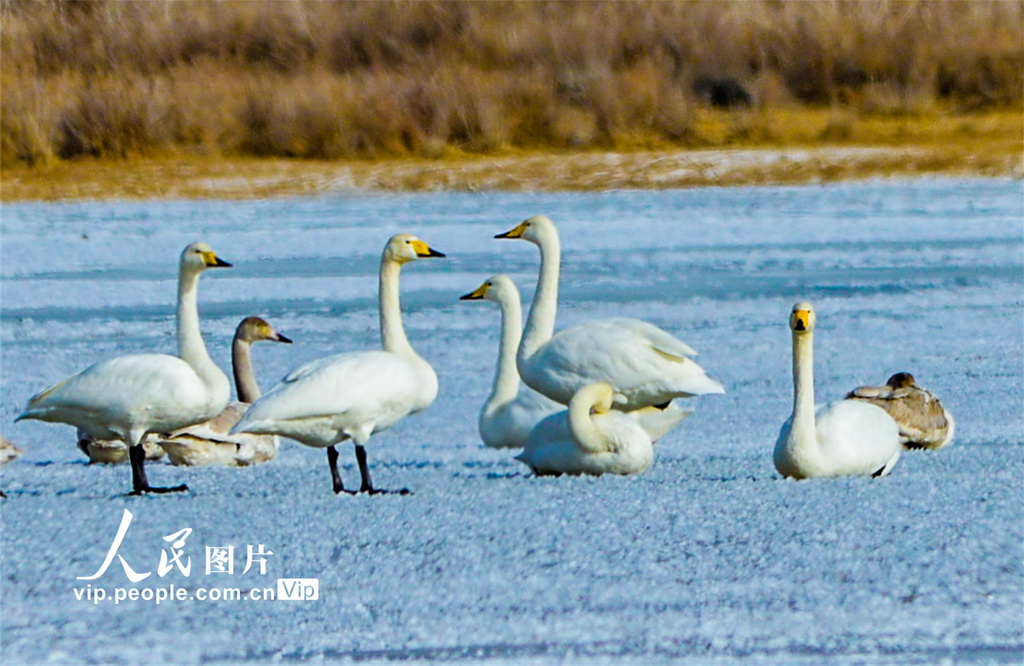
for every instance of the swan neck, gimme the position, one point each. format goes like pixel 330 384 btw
pixel 506 377
pixel 581 424
pixel 803 428
pixel 540 324
pixel 191 347
pixel 241 362
pixel 392 333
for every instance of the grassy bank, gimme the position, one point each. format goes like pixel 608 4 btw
pixel 433 93
pixel 979 145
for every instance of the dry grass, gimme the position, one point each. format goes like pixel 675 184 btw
pixel 984 144
pixel 318 80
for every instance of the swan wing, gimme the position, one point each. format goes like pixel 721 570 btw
pixel 645 364
pixel 363 385
pixel 158 389
pixel 856 438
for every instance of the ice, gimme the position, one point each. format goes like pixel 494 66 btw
pixel 710 556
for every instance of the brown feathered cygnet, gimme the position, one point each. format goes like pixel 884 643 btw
pixel 923 422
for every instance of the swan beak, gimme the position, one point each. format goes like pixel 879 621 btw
pixel 423 250
pixel 213 261
pixel 801 320
pixel 475 295
pixel 281 338
pixel 515 233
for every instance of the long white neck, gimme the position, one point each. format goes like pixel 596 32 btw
pixel 392 333
pixel 540 325
pixel 191 347
pixel 803 431
pixel 506 377
pixel 241 362
pixel 584 431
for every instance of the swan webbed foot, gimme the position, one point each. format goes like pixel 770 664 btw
pixel 158 490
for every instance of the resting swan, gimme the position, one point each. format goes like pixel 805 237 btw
pixel 843 438
pixel 646 365
pixel 589 438
pixel 114 451
pixel 353 395
pixel 923 422
pixel 209 443
pixel 130 396
pixel 510 413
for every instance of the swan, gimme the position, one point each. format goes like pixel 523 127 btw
pixel 588 438
pixel 114 451
pixel 129 396
pixel 353 395
pixel 843 438
pixel 646 365
pixel 509 414
pixel 209 443
pixel 923 422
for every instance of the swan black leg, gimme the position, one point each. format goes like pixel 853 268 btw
pixel 332 460
pixel 140 484
pixel 364 472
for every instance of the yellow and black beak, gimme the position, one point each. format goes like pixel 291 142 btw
pixel 476 295
pixel 423 250
pixel 213 261
pixel 515 233
pixel 801 320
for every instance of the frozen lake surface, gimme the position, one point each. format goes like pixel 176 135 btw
pixel 709 557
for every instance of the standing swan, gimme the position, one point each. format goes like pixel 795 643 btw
pixel 509 414
pixel 209 443
pixel 129 396
pixel 644 364
pixel 923 422
pixel 843 438
pixel 589 438
pixel 353 395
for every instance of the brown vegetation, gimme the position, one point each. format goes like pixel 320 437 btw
pixel 355 80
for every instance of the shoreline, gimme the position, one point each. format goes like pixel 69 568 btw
pixel 253 178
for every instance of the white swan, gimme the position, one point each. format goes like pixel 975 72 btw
pixel 843 438
pixel 924 423
pixel 644 364
pixel 209 443
pixel 589 438
pixel 129 396
pixel 353 395
pixel 510 414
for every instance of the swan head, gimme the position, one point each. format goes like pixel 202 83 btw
pixel 534 229
pixel 496 289
pixel 257 329
pixel 802 319
pixel 901 380
pixel 199 256
pixel 403 248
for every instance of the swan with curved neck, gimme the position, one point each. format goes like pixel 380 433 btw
pixel 130 396
pixel 209 443
pixel 924 423
pixel 589 438
pixel 843 438
pixel 510 413
pixel 353 395
pixel 646 365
